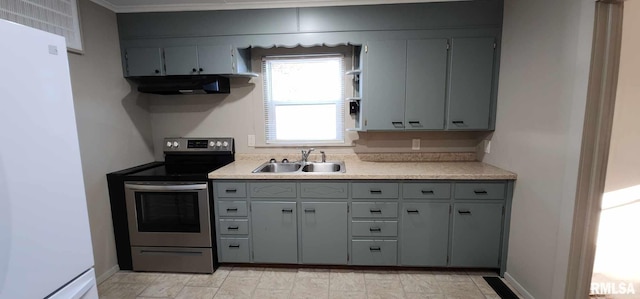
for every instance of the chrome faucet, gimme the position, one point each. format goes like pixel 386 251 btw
pixel 324 157
pixel 305 154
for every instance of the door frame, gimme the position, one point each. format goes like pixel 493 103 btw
pixel 596 139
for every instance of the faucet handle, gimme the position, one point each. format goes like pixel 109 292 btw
pixel 324 157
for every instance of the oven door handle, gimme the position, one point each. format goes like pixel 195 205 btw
pixel 140 187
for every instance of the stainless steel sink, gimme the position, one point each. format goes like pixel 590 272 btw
pixel 300 167
pixel 323 167
pixel 278 167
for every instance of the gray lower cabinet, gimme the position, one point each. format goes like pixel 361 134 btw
pixel 477 231
pixel 375 252
pixel 324 233
pixel 433 223
pixel 425 234
pixel 274 232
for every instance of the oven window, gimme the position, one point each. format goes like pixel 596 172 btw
pixel 168 212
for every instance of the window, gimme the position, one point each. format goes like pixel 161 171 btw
pixel 303 98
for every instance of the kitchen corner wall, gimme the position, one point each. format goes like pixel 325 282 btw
pixel 544 69
pixel 113 123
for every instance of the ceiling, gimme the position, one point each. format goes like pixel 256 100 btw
pixel 125 6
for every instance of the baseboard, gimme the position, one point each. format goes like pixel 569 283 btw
pixel 516 285
pixel 107 274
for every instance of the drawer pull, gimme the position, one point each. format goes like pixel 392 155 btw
pixel 466 212
pixel 309 210
pixel 457 122
pixel 427 191
pixel 232 228
pixel 287 210
pixel 231 190
pixel 479 191
pixel 415 123
pixel 234 246
pixel 397 124
pixel 375 229
pixel 375 191
pixel 374 248
pixel 232 209
pixel 413 211
pixel 375 211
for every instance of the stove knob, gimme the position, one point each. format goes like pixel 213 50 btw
pixel 212 144
pixel 176 144
pixel 225 144
pixel 169 143
pixel 218 144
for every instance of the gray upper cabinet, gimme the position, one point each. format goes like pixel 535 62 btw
pixel 144 62
pixel 384 86
pixel 181 60
pixel 324 233
pixel 215 60
pixel 426 84
pixel 184 60
pixel 470 83
pixel 477 230
pixel 274 232
pixel 405 84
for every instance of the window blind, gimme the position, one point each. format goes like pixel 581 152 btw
pixel 304 99
pixel 55 16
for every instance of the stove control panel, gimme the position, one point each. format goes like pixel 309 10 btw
pixel 206 144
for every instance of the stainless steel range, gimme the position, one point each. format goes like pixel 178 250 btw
pixel 169 207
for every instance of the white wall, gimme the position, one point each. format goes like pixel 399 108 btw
pixel 113 125
pixel 540 113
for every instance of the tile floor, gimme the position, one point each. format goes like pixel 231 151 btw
pixel 267 283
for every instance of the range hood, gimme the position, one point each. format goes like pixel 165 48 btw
pixel 196 84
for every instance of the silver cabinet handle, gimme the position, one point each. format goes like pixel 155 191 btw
pixel 141 187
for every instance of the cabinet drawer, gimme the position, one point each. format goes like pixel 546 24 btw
pixel 231 189
pixel 234 250
pixel 273 190
pixel 374 228
pixel 324 190
pixel 375 209
pixel 234 226
pixel 426 190
pixel 375 190
pixel 479 191
pixel 375 252
pixel 232 208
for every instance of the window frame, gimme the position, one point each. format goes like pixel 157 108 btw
pixel 348 121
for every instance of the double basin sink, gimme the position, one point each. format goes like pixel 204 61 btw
pixel 300 167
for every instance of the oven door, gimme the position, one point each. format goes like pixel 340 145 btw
pixel 168 214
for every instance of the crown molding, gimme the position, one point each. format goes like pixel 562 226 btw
pixel 247 5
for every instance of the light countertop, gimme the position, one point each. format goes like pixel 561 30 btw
pixel 366 170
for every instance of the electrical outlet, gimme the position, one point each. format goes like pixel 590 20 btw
pixel 415 144
pixel 487 146
pixel 251 140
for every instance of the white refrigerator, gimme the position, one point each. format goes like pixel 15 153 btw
pixel 45 244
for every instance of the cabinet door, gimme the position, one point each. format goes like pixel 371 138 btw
pixel 215 60
pixel 324 233
pixel 425 234
pixel 274 232
pixel 181 60
pixel 144 62
pixel 477 228
pixel 384 87
pixel 426 84
pixel 471 83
